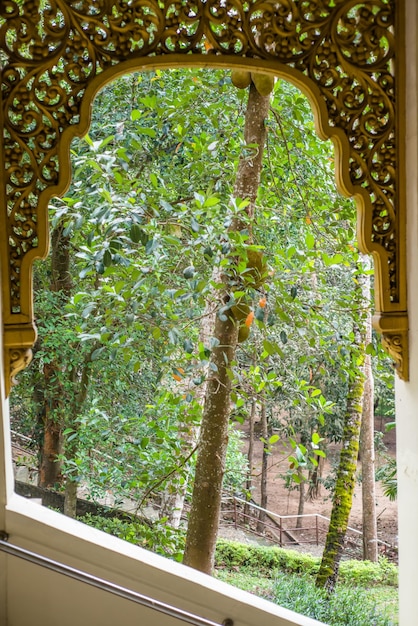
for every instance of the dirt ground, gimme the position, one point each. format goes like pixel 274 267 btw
pixel 285 502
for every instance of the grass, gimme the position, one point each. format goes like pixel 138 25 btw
pixel 365 596
pixel 261 586
pixel 386 598
pixel 350 605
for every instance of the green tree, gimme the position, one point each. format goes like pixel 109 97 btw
pixel 156 246
pixel 346 472
pixel 232 325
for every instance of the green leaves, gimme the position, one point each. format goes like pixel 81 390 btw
pixel 148 219
pixel 336 259
pixel 310 241
pixel 270 349
pixel 283 337
pixel 189 272
pixel 136 233
pixel 188 346
pixel 88 310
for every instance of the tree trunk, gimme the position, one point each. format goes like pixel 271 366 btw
pixel 79 398
pixel 368 487
pixel 346 473
pixel 250 456
pixel 50 466
pixel 173 505
pixel 70 498
pixel 314 490
pixel 174 495
pixel 207 492
pixel 264 468
pixel 344 487
pixel 301 507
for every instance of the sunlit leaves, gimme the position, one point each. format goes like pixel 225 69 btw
pixel 148 215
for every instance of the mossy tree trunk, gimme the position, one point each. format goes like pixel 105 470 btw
pixel 205 509
pixel 367 451
pixel 346 473
pixel 344 486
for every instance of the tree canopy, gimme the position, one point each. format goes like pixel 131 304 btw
pixel 137 245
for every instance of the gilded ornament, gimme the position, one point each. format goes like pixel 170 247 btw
pixel 16 360
pixel 56 55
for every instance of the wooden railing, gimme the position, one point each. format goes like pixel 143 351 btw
pixel 280 528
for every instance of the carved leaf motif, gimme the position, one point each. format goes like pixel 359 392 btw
pixel 344 48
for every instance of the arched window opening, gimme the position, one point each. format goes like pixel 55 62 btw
pixel 135 243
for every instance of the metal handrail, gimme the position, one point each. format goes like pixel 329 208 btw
pixel 105 585
pixel 283 517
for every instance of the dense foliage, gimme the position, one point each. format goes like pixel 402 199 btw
pixel 120 364
pixel 266 559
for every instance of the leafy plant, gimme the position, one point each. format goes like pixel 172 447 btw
pixel 270 559
pixel 387 475
pixel 157 537
pixel 147 220
pixel 347 606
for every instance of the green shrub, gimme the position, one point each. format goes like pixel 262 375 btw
pixel 264 558
pixel 231 554
pixel 162 539
pixel 347 606
pixel 366 573
pixel 298 562
pixel 159 537
pixel 268 559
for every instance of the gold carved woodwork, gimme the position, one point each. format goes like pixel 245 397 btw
pixel 56 54
pixel 16 360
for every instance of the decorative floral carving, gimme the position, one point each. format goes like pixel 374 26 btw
pixel 396 347
pixel 343 48
pixel 18 359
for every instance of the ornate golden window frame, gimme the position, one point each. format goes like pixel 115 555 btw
pixel 340 53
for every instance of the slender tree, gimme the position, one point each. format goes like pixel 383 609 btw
pixel 250 454
pixel 206 499
pixel 264 468
pixel 79 380
pixel 51 389
pixel 367 452
pixel 346 473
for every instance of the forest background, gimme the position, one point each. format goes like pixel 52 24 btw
pixel 122 305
